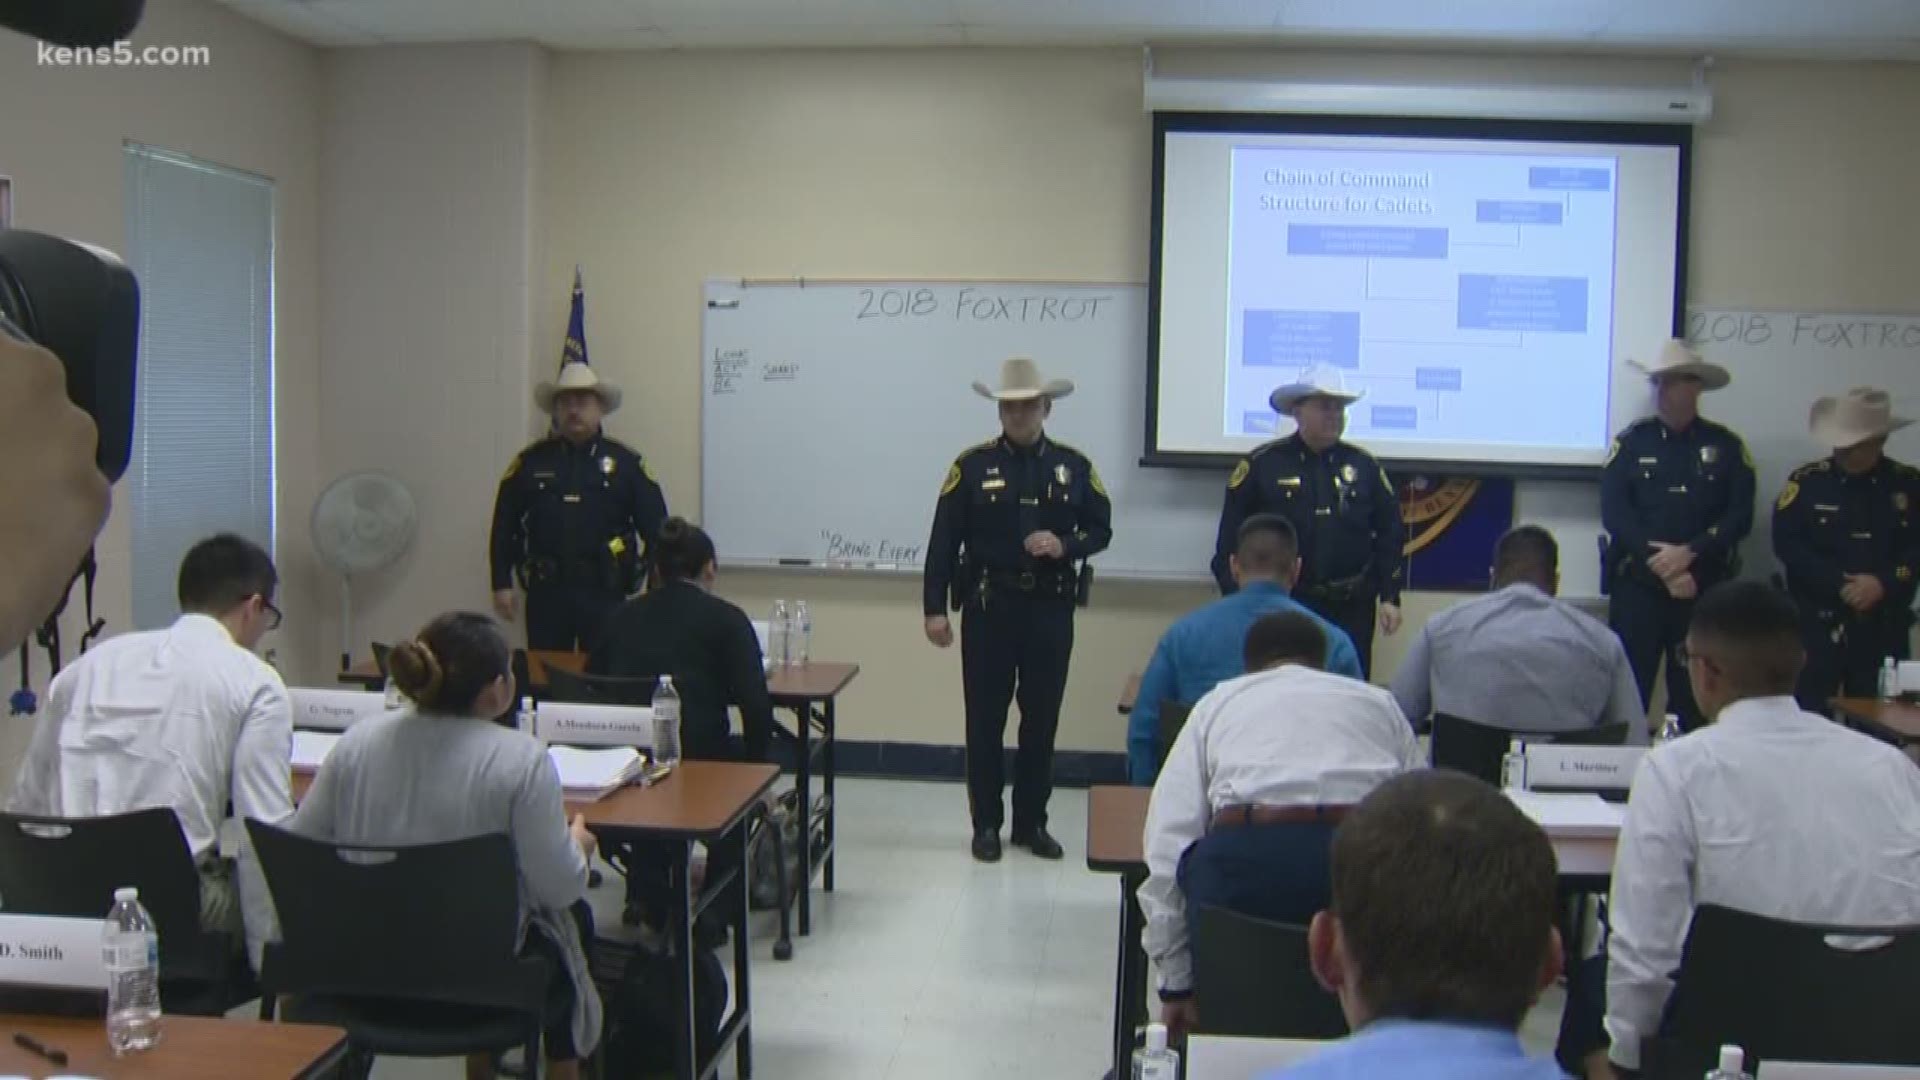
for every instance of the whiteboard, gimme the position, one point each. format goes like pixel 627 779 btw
pixel 830 413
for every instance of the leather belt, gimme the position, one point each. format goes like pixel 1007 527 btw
pixel 1232 817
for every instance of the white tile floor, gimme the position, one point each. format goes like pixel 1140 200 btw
pixel 926 965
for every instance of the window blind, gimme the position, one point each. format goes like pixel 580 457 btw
pixel 200 238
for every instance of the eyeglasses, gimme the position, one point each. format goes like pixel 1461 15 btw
pixel 273 611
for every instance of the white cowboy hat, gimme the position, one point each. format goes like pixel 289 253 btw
pixel 1020 381
pixel 1314 382
pixel 576 376
pixel 1676 358
pixel 1864 413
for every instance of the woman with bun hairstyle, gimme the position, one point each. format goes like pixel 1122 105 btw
pixel 679 628
pixel 440 770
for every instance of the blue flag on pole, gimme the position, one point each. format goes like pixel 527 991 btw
pixel 574 351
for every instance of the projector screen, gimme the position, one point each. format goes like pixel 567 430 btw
pixel 1481 282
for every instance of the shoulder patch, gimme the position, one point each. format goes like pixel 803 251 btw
pixel 1093 480
pixel 953 479
pixel 1787 495
pixel 1239 476
pixel 513 469
pixel 1746 455
pixel 1612 452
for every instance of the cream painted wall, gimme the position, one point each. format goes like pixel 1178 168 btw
pixel 255 107
pixel 428 193
pixel 669 167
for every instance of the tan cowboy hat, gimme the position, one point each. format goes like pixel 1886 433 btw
pixel 1314 382
pixel 1676 358
pixel 1864 413
pixel 576 376
pixel 1020 381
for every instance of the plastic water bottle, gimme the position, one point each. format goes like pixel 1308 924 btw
pixel 1669 729
pixel 1889 679
pixel 778 629
pixel 800 638
pixel 666 723
pixel 1155 1061
pixel 1733 1065
pixel 132 949
pixel 1513 766
pixel 523 720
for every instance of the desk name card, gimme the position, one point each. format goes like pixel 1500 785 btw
pixel 45 951
pixel 573 724
pixel 1589 768
pixel 334 710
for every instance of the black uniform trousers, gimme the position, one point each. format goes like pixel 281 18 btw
pixel 1844 658
pixel 567 617
pixel 1354 613
pixel 1652 626
pixel 1014 645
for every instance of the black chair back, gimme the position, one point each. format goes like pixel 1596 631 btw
pixel 429 922
pixel 70 867
pixel 1173 717
pixel 1253 978
pixel 1782 991
pixel 1476 749
pixel 381 651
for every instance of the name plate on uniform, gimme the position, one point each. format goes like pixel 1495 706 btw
pixel 333 710
pixel 572 724
pixel 44 951
pixel 1586 768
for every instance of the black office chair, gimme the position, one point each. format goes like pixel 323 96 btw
pixel 1782 991
pixel 381 652
pixel 70 867
pixel 1476 749
pixel 1253 978
pixel 411 949
pixel 1173 717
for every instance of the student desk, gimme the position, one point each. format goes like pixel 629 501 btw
pixel 1116 828
pixel 706 801
pixel 191 1048
pixel 1892 721
pixel 809 691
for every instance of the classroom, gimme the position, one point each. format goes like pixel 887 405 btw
pixel 802 232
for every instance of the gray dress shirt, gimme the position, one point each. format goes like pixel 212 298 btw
pixel 1520 659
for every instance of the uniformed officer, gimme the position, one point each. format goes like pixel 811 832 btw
pixel 1676 499
pixel 1014 517
pixel 1340 502
pixel 573 517
pixel 1845 529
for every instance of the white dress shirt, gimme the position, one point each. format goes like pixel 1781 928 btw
pixel 1522 660
pixel 1287 736
pixel 1770 810
pixel 182 718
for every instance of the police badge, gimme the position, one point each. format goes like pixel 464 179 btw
pixel 1349 473
pixel 1900 501
pixel 606 464
pixel 1063 475
pixel 1709 455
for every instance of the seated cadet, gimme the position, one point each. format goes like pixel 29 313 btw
pixel 1440 936
pixel 1518 658
pixel 1244 810
pixel 1204 647
pixel 1771 810
pixel 440 770
pixel 186 718
pixel 679 628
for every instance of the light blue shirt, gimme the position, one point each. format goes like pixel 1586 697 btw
pixel 1424 1050
pixel 1205 648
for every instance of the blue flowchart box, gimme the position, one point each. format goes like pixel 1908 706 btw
pixel 1300 338
pixel 1516 212
pixel 1395 416
pixel 1569 178
pixel 1436 378
pixel 1368 241
pixel 1523 302
pixel 1259 423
